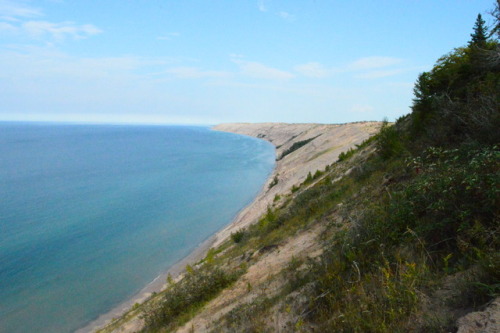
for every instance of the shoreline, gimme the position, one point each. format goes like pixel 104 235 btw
pixel 177 269
pixel 332 139
pixel 157 285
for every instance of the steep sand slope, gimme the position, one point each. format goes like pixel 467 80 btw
pixel 292 169
pixel 329 141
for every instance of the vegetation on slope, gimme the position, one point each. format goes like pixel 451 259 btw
pixel 188 295
pixel 295 146
pixel 407 212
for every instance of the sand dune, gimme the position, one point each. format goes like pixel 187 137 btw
pixel 328 142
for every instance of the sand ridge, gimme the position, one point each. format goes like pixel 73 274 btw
pixel 329 141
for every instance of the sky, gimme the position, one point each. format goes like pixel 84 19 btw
pixel 215 61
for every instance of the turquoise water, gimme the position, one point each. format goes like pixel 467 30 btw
pixel 91 214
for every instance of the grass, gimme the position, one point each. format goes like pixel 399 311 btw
pixel 183 299
pixel 404 238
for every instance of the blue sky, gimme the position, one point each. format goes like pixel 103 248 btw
pixel 212 61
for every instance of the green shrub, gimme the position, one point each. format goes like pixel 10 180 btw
pixel 247 317
pixel 358 289
pixel 440 217
pixel 309 178
pixel 346 154
pixel 274 182
pixel 185 297
pixel 453 203
pixel 458 100
pixel 351 151
pixel 389 141
pixel 238 236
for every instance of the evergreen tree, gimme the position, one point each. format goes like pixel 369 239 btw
pixel 480 33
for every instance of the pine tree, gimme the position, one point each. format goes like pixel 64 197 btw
pixel 480 32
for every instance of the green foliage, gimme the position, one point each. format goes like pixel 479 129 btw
pixel 345 155
pixel 309 178
pixel 317 174
pixel 210 257
pixel 442 218
pixel 453 203
pixel 270 220
pixel 439 217
pixel 295 277
pixel 478 286
pixel 295 146
pixel 181 301
pixel 274 182
pixel 389 141
pixel 247 317
pixel 360 289
pixel 459 99
pixel 170 279
pixel 479 36
pixel 238 236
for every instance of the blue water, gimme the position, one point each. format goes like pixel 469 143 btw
pixel 90 214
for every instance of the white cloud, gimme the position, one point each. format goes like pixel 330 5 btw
pixel 18 17
pixel 12 11
pixel 261 71
pixel 195 73
pixel 60 30
pixel 169 36
pixel 373 62
pixel 313 69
